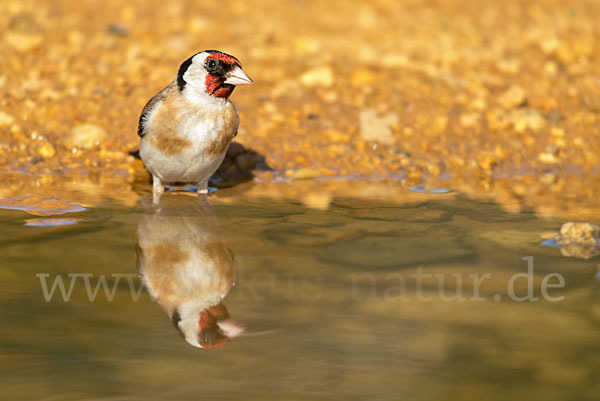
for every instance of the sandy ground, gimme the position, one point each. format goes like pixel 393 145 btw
pixel 495 99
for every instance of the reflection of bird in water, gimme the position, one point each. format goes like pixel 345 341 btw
pixel 186 266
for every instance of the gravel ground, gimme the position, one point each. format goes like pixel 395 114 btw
pixel 496 99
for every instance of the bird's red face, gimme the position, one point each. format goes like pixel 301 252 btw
pixel 210 75
pixel 224 72
pixel 210 334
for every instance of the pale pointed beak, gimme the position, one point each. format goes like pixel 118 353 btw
pixel 230 328
pixel 238 77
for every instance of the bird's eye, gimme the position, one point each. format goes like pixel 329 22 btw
pixel 212 63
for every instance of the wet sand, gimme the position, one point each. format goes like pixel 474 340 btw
pixel 496 99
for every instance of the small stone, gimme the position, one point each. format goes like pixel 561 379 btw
pixel 554 116
pixel 303 173
pixel 23 42
pixel 85 136
pixel 112 154
pixel 479 103
pixel 579 233
pixel 116 30
pixel 306 45
pixel 394 60
pixel 509 65
pixel 316 200
pixel 524 119
pixel 565 54
pixel 514 97
pixel 49 94
pixel 47 150
pixel 549 155
pixel 590 96
pixel 320 76
pixel 550 68
pixel 6 119
pixel 469 120
pixel 374 127
pixel 440 123
pixel 487 162
pixel 549 46
pixel 548 179
pixel 363 77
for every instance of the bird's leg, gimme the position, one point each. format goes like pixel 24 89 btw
pixel 157 189
pixel 202 188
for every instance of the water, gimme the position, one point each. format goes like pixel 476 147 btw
pixel 358 301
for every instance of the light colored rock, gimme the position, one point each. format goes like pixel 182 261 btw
pixel 513 97
pixel 320 76
pixel 577 240
pixel 580 233
pixel 523 119
pixel 316 200
pixel 23 42
pixel 6 119
pixel 85 136
pixel 469 120
pixel 374 127
pixel 509 65
pixel 302 173
pixel 306 45
pixel 395 60
pixel 47 150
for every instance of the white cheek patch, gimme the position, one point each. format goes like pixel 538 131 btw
pixel 195 87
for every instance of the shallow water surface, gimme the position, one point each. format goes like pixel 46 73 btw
pixel 364 300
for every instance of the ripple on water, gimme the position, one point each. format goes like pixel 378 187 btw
pixel 50 222
pixel 41 205
pixel 429 189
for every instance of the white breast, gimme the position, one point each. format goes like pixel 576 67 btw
pixel 201 128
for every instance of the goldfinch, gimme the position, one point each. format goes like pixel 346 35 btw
pixel 186 128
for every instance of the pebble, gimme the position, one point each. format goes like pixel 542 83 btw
pixel 469 120
pixel 302 173
pixel 23 42
pixel 47 150
pixel 363 77
pixel 523 119
pixel 85 136
pixel 590 96
pixel 549 155
pixel 6 119
pixel 580 233
pixel 316 200
pixel 306 45
pixel 374 127
pixel 112 154
pixel 513 97
pixel 394 60
pixel 320 76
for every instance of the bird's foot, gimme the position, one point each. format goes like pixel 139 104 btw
pixel 202 188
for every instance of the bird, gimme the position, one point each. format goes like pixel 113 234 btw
pixel 186 128
pixel 186 266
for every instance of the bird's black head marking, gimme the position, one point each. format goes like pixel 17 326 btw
pixel 182 70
